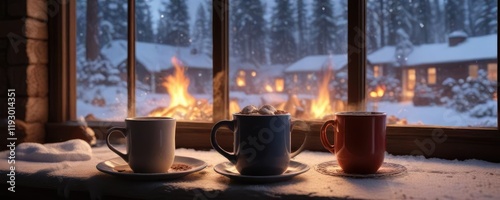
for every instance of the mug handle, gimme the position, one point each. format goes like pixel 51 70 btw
pixel 213 140
pixel 301 148
pixel 324 139
pixel 123 131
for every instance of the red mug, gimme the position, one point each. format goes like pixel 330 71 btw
pixel 359 140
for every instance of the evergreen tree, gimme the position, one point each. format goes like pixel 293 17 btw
pixel 199 30
pixel 208 47
pixel 438 30
pixel 113 23
pixel 173 28
pixel 403 47
pixel 247 31
pixel 323 27
pixel 400 17
pixel 392 25
pixel 455 15
pixel 483 14
pixel 340 37
pixel 81 22
pixel 375 27
pixel 92 48
pixel 421 33
pixel 282 44
pixel 302 47
pixel 143 22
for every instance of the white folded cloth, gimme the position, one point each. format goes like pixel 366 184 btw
pixel 71 150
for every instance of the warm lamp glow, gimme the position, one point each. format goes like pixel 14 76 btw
pixel 240 81
pixel 279 84
pixel 253 74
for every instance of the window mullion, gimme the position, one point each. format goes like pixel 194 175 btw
pixel 356 54
pixel 131 59
pixel 220 31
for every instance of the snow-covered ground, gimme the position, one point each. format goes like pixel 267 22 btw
pixel 434 115
pixel 422 115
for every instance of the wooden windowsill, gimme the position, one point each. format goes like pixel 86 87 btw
pixel 425 178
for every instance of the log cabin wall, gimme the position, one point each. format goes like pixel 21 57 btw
pixel 24 67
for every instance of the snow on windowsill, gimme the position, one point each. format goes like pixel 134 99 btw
pixel 426 178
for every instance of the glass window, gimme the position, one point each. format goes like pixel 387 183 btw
pixel 431 76
pixel 492 72
pixel 293 55
pixel 173 59
pixel 473 71
pixel 427 48
pixel 297 53
pixel 377 71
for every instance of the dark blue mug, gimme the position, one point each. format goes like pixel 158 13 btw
pixel 261 143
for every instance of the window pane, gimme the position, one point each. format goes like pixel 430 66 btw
pixel 173 59
pixel 289 54
pixel 439 59
pixel 101 77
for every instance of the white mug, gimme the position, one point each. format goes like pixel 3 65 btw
pixel 150 143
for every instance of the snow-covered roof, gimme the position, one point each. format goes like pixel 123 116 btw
pixel 318 62
pixel 473 48
pixel 155 57
pixel 383 55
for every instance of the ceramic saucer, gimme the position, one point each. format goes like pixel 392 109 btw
pixel 228 169
pixel 182 166
pixel 332 168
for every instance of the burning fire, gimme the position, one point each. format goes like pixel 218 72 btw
pixel 379 92
pixel 269 88
pixel 320 106
pixel 182 104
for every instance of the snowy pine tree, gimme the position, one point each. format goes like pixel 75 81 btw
pixel 81 21
pixel 302 28
pixel 340 37
pixel 322 27
pixel 455 15
pixel 113 24
pixel 422 23
pixel 199 30
pixel 143 22
pixel 438 27
pixel 374 25
pixel 247 31
pixel 173 28
pixel 482 17
pixel 282 43
pixel 403 47
pixel 208 47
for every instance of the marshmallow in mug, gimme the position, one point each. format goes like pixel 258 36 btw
pixel 264 110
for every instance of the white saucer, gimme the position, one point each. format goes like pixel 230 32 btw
pixel 118 167
pixel 228 169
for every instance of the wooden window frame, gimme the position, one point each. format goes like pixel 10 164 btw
pixel 429 141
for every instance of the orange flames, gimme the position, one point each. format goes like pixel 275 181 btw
pixel 321 106
pixel 182 104
pixel 379 92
